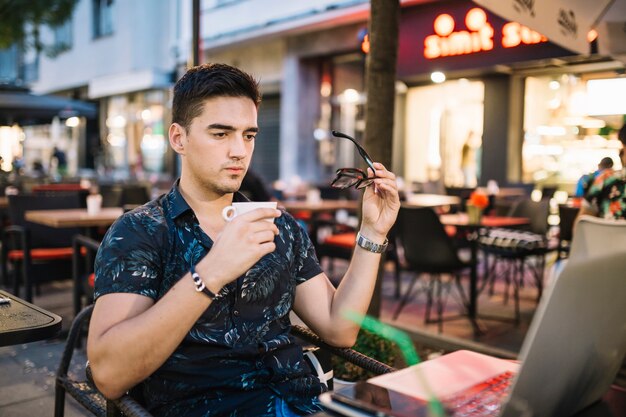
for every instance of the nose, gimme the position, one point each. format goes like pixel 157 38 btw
pixel 238 148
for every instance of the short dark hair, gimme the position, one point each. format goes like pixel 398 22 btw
pixel 208 81
pixel 605 163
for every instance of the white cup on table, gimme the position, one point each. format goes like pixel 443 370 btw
pixel 239 208
pixel 94 203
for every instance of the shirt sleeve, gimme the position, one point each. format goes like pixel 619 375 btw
pixel 129 259
pixel 305 263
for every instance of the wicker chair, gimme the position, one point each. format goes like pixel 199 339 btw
pixel 86 393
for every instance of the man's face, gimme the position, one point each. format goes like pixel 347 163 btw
pixel 219 144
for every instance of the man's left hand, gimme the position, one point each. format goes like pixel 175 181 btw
pixel 381 203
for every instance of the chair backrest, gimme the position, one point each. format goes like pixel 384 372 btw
pixel 536 211
pixel 594 237
pixel 427 246
pixel 44 236
pixel 567 216
pixel 111 195
pixel 135 194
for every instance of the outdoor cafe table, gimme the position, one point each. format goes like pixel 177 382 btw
pixel 22 322
pixel 320 206
pixel 461 221
pixel 74 217
pixel 431 200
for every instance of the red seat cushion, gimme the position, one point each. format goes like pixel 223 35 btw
pixel 42 254
pixel 450 230
pixel 304 215
pixel 344 240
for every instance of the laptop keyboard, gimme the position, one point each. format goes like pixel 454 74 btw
pixel 484 399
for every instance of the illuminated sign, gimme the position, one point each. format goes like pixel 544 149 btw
pixel 478 37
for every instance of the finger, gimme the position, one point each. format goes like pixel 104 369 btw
pixel 267 247
pixel 382 172
pixel 264 236
pixel 391 183
pixel 262 225
pixel 260 214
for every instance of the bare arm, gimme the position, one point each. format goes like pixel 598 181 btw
pixel 130 336
pixel 322 307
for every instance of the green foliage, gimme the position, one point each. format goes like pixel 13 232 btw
pixel 21 20
pixel 370 345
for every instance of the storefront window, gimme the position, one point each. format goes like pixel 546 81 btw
pixel 136 141
pixel 444 125
pixel 566 131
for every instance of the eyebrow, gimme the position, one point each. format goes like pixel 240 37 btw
pixel 231 128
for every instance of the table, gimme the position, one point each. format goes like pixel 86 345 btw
pixel 316 209
pixel 431 200
pixel 22 322
pixel 74 217
pixel 461 221
pixel 321 206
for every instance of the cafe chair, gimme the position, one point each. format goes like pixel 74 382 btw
pixel 341 246
pixel 85 392
pixel 83 254
pixel 35 253
pixel 567 217
pixel 514 252
pixel 594 236
pixel 429 250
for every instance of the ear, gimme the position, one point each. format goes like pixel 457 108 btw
pixel 177 134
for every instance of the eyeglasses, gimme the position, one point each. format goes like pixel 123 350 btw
pixel 353 177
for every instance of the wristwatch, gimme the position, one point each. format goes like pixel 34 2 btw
pixel 368 245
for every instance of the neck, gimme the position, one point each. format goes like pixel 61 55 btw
pixel 205 203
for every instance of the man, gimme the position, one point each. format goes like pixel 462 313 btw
pixel 199 354
pixel 606 196
pixel 585 181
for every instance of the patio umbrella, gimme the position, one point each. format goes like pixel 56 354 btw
pixel 20 106
pixel 563 22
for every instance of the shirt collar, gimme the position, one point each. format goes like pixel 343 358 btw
pixel 178 204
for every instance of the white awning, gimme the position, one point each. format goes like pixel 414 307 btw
pixel 563 22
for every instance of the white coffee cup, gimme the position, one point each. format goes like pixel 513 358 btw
pixel 236 209
pixel 94 203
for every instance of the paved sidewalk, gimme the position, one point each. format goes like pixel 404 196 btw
pixel 27 379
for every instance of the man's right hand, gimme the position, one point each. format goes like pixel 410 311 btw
pixel 244 240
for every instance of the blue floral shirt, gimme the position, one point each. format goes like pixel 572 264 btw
pixel 239 355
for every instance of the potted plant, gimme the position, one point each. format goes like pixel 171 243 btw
pixel 370 345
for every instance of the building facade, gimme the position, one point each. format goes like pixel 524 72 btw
pixel 508 107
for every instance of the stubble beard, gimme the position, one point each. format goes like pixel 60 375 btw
pixel 222 188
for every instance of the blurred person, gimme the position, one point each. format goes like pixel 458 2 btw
pixel 606 196
pixel 59 157
pixel 469 159
pixel 254 188
pixel 196 309
pixel 38 170
pixel 585 181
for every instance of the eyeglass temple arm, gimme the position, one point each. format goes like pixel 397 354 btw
pixel 359 148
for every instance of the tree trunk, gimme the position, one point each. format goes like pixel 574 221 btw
pixel 380 79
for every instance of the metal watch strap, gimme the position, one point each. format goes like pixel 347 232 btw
pixel 200 287
pixel 368 245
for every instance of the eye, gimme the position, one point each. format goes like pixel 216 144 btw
pixel 220 135
pixel 250 136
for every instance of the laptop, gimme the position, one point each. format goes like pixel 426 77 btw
pixel 572 352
